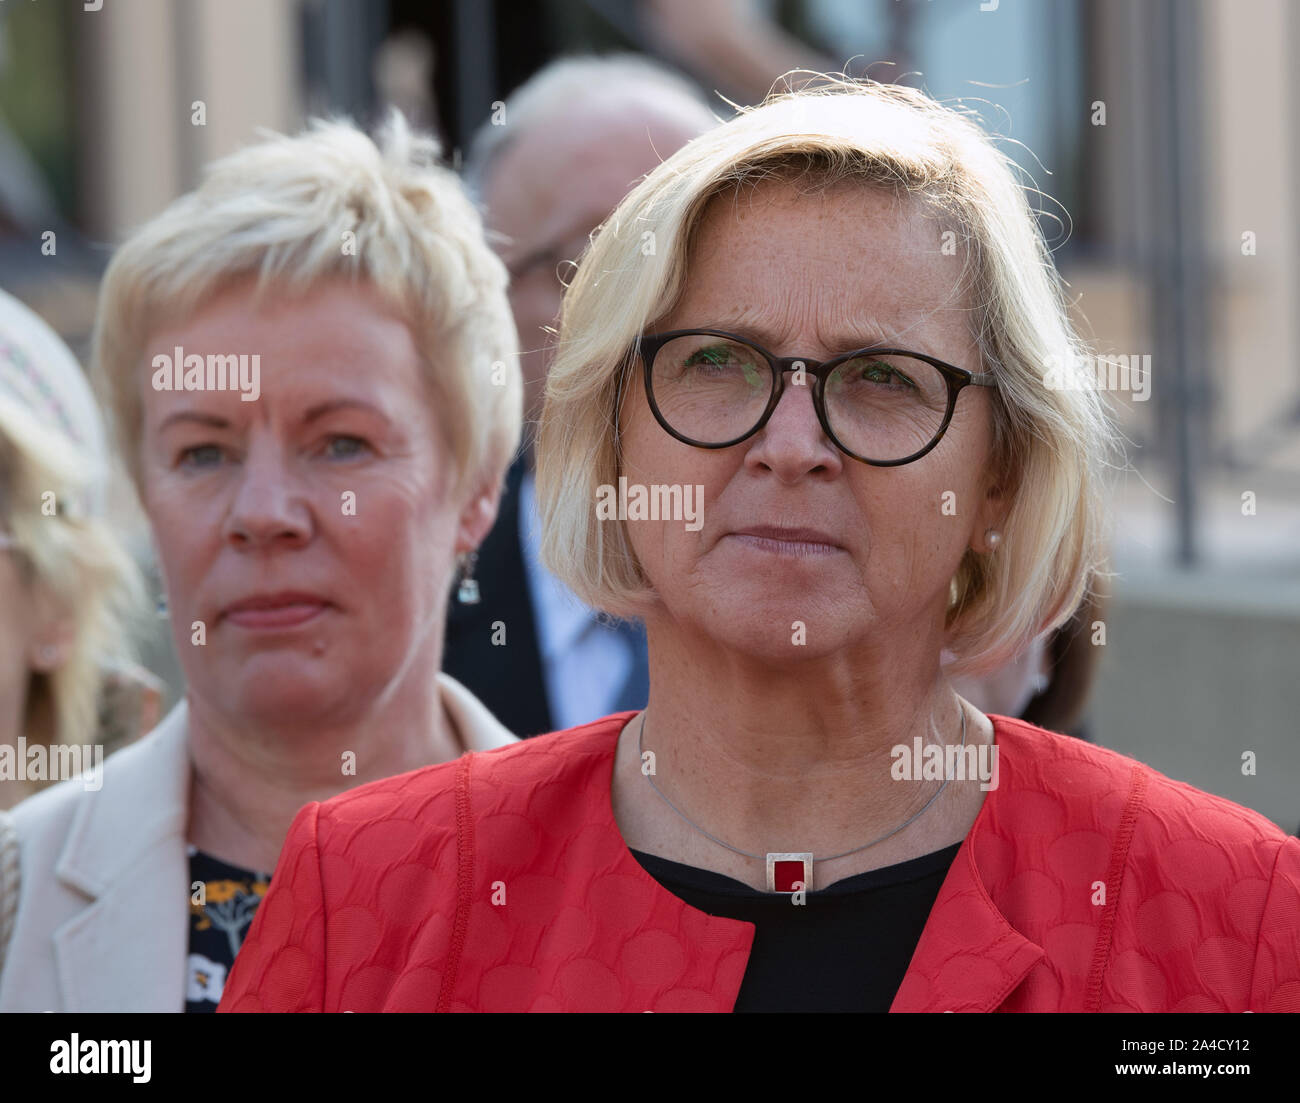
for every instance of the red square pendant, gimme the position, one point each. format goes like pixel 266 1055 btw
pixel 789 872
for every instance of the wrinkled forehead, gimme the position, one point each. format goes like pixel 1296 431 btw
pixel 847 260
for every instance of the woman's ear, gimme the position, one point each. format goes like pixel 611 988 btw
pixel 995 507
pixel 477 517
pixel 52 632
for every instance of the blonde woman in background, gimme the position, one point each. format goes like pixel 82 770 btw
pixel 309 508
pixel 67 586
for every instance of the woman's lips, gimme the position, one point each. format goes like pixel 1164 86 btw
pixel 276 613
pixel 795 543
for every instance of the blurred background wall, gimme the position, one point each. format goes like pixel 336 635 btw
pixel 1164 136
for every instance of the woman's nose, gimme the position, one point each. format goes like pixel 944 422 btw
pixel 269 505
pixel 793 443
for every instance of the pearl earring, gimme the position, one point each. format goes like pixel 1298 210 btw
pixel 993 538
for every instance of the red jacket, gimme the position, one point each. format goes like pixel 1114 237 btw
pixel 500 882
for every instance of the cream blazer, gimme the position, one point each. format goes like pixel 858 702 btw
pixel 103 907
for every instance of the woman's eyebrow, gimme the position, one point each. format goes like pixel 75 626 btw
pixel 321 409
pixel 210 420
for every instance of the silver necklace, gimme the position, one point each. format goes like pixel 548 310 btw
pixel 787 872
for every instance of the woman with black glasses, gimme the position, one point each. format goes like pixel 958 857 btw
pixel 828 326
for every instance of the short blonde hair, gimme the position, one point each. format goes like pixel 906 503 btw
pixel 295 211
pixel 1053 443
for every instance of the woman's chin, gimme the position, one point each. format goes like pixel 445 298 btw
pixel 288 691
pixel 292 706
pixel 782 632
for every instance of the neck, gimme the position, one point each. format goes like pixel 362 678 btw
pixel 251 779
pixel 771 757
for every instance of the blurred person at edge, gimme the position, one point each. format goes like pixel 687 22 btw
pixel 69 591
pixel 576 137
pixel 306 539
pixel 853 377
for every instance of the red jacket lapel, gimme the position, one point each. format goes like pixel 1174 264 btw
pixel 969 957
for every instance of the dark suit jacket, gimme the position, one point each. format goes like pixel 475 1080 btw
pixel 508 677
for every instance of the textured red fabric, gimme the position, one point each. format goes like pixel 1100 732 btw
pixel 500 882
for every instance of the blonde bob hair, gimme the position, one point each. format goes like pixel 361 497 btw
pixel 1052 443
pixel 295 211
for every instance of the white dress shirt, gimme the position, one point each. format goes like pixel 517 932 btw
pixel 584 662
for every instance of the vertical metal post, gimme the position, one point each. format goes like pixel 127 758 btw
pixel 1177 270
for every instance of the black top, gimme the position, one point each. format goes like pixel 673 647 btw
pixel 846 948
pixel 221 911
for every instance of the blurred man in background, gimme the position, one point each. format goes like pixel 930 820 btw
pixel 548 168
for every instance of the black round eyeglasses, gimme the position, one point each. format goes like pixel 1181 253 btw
pixel 882 406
